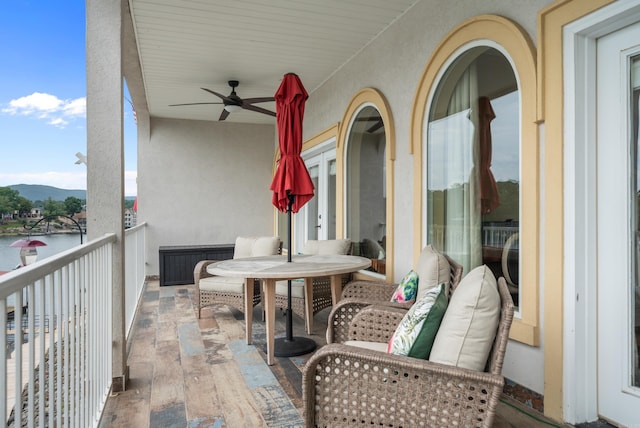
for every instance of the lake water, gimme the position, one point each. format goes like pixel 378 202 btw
pixel 56 243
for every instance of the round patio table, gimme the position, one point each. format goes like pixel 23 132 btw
pixel 275 268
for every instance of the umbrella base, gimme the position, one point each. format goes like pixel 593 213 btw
pixel 294 347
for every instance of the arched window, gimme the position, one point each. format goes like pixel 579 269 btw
pixel 474 139
pixel 365 187
pixel 365 155
pixel 473 164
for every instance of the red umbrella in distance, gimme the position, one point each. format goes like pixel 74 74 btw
pixel 28 252
pixel 24 243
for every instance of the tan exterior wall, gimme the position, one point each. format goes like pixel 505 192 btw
pixel 399 56
pixel 179 183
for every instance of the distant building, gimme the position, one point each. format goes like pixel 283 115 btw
pixel 35 213
pixel 130 218
pixel 81 218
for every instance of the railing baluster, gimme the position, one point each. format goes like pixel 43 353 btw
pixel 17 357
pixel 73 341
pixel 59 342
pixel 41 361
pixel 83 333
pixel 3 359
pixel 33 333
pixel 92 335
pixel 68 326
pixel 52 347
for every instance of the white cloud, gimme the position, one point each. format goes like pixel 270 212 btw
pixel 64 180
pixel 77 107
pixel 48 107
pixel 36 102
pixel 59 122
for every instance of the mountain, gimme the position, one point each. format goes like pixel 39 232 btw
pixel 40 192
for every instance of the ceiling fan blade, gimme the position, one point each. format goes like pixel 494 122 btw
pixel 223 115
pixel 223 97
pixel 258 109
pixel 190 104
pixel 258 100
pixel 379 124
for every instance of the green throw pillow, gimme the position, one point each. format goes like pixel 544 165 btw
pixel 424 342
pixel 415 334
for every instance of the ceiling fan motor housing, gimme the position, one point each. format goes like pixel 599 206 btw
pixel 237 101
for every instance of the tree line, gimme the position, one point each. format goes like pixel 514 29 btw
pixel 11 202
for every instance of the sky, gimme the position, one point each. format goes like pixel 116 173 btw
pixel 43 96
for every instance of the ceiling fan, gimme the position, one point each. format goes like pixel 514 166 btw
pixel 233 102
pixel 377 123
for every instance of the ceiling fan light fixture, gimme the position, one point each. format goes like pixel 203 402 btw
pixel 232 108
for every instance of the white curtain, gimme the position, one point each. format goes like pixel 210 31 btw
pixel 462 217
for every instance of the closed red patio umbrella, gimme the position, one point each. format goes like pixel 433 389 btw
pixel 292 186
pixel 291 177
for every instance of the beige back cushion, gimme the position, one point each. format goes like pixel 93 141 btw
pixel 433 269
pixel 327 247
pixel 469 326
pixel 252 246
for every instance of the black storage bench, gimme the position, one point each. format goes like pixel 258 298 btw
pixel 177 262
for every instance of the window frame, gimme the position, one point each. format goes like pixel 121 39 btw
pixel 367 97
pixel 516 46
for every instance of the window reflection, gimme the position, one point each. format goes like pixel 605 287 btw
pixel 473 165
pixel 366 199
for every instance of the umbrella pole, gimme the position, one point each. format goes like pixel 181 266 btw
pixel 289 311
pixel 290 346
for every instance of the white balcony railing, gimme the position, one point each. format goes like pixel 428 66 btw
pixel 56 336
pixel 491 235
pixel 134 239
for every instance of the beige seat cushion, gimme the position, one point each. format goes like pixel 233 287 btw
pixel 433 269
pixel 469 326
pixel 297 288
pixel 246 246
pixel 222 284
pixel 327 247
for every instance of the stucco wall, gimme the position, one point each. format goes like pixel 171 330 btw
pixel 179 183
pixel 399 57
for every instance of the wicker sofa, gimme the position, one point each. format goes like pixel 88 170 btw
pixel 433 268
pixel 345 385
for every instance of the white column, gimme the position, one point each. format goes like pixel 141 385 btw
pixel 105 153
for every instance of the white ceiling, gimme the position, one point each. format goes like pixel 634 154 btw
pixel 185 45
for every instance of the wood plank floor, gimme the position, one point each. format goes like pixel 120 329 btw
pixel 190 372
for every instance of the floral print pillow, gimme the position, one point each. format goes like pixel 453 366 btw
pixel 407 289
pixel 416 332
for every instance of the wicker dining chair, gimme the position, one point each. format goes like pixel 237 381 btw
pixel 433 268
pixel 211 289
pixel 321 285
pixel 346 385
